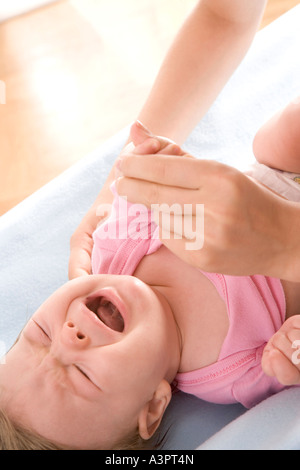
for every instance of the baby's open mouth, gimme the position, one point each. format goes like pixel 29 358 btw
pixel 107 312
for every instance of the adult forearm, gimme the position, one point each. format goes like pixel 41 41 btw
pixel 205 53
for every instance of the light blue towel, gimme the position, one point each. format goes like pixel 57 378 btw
pixel 34 236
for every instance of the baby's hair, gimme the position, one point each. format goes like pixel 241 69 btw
pixel 15 437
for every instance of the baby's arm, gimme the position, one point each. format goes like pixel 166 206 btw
pixel 277 143
pixel 281 357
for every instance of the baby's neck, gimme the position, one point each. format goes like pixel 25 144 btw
pixel 198 310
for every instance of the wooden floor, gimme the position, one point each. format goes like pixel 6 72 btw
pixel 75 73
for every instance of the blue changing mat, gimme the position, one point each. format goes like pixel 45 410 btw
pixel 34 236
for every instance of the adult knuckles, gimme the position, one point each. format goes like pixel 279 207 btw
pixel 225 177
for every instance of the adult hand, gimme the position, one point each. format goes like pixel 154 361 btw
pixel 81 243
pixel 244 223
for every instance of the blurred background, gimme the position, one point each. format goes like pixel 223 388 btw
pixel 72 74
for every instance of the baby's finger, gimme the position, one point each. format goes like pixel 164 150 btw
pixel 280 359
pixel 79 263
pixel 283 369
pixel 266 361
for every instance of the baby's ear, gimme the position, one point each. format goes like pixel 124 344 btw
pixel 151 415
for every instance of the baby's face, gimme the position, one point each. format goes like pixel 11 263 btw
pixel 89 359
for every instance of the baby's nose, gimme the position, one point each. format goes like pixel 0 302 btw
pixel 74 335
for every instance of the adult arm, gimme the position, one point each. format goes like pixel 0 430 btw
pixel 206 51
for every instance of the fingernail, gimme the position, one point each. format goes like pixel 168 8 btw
pixel 129 148
pixel 142 126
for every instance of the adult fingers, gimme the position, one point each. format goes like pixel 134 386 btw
pixel 154 145
pixel 139 133
pixel 190 250
pixel 171 149
pixel 166 170
pixel 152 194
pixel 150 145
pixel 179 222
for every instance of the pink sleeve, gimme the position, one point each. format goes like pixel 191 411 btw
pixel 124 238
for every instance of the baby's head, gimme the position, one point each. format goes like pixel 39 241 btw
pixel 94 364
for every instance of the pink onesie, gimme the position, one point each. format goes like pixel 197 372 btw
pixel 255 306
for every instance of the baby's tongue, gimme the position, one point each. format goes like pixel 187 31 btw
pixel 110 315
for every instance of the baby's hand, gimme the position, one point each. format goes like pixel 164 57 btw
pixel 281 358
